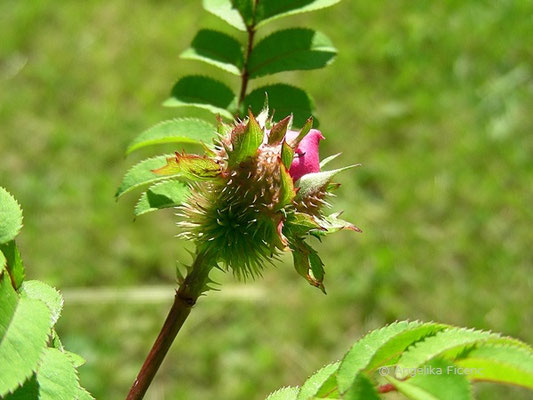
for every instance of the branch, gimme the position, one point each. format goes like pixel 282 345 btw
pixel 185 298
pixel 245 73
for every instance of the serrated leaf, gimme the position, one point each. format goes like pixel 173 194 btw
pixel 162 195
pixel 28 391
pixel 180 130
pixel 283 100
pixel 390 352
pixel 499 363
pixel 23 342
pixel 10 216
pixel 57 377
pixel 273 9
pixel 316 182
pixel 218 49
pixel 8 302
pixel 41 291
pixel 75 359
pixel 361 353
pixel 141 174
pixel 13 262
pixel 313 384
pixel 362 389
pixel 290 50
pixel 202 92
pixel 435 382
pixel 225 10
pixel 288 393
pixel 451 341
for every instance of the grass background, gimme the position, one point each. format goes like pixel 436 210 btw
pixel 435 99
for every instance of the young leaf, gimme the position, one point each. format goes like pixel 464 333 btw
pixel 13 262
pixel 284 100
pixel 26 334
pixel 499 363
pixel 216 48
pixel 272 9
pixel 362 389
pixel 41 291
pixel 226 10
pixel 436 382
pixel 162 195
pixel 312 385
pixel 10 216
pixel 289 50
pixel 288 393
pixel 181 130
pixel 361 353
pixel 57 377
pixel 141 174
pixel 202 92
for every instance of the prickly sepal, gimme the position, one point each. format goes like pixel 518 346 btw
pixel 259 192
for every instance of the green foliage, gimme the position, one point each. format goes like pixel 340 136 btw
pixel 291 49
pixel 10 217
pixel 180 130
pixel 31 367
pixel 218 49
pixel 162 195
pixel 288 393
pixel 202 92
pixel 432 372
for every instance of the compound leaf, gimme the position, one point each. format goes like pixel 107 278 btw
pixel 10 216
pixel 273 9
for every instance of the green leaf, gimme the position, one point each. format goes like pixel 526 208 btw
pixel 10 217
pixel 499 363
pixel 8 302
pixel 390 352
pixel 287 155
pixel 225 9
pixel 362 389
pixel 190 166
pixel 41 291
pixel 141 174
pixel 28 391
pixel 299 224
pixel 308 264
pixel 332 223
pixel 288 192
pixel 290 50
pixel 26 334
pixel 202 92
pixel 316 182
pixel 14 264
pixel 57 377
pixel 218 49
pixel 245 141
pixel 162 195
pixel 361 353
pixel 288 393
pixel 75 359
pixel 436 381
pixel 273 9
pixel 313 384
pixel 451 341
pixel 181 130
pixel 284 100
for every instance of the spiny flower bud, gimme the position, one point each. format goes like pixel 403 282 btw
pixel 257 192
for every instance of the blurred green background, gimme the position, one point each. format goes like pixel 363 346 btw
pixel 435 99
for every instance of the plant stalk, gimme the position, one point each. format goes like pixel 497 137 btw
pixel 245 73
pixel 185 298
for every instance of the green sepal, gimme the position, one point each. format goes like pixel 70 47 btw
pixel 13 263
pixel 299 224
pixel 304 131
pixel 279 130
pixel 162 195
pixel 328 159
pixel 189 166
pixel 317 182
pixel 332 223
pixel 288 193
pixel 308 264
pixel 245 141
pixel 287 154
pixel 216 48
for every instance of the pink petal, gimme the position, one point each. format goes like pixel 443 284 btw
pixel 306 158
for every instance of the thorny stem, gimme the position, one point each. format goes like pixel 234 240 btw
pixel 184 300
